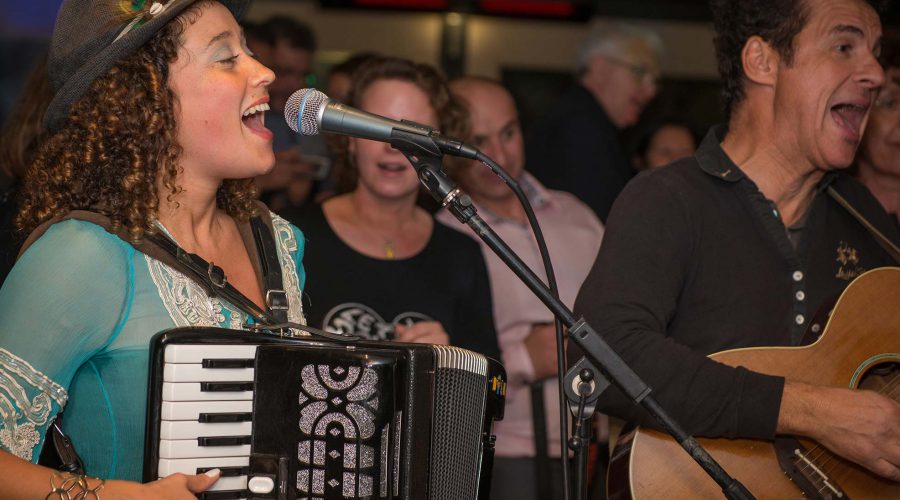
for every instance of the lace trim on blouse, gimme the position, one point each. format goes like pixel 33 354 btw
pixel 287 246
pixel 188 304
pixel 21 415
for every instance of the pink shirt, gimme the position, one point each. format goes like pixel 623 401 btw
pixel 573 235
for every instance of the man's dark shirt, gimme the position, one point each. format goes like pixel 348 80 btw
pixel 694 261
pixel 576 148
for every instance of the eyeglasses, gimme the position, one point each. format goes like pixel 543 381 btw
pixel 644 74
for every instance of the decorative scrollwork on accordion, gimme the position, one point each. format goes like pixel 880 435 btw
pixel 337 409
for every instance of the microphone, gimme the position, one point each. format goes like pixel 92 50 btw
pixel 310 112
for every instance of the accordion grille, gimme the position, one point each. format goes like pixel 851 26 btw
pixel 459 417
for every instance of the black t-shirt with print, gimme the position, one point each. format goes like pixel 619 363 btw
pixel 349 292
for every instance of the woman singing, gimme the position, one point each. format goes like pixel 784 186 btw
pixel 156 124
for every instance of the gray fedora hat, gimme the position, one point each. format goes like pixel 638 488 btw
pixel 91 36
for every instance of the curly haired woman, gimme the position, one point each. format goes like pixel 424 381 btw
pixel 156 124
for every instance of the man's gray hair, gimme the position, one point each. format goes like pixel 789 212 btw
pixel 611 40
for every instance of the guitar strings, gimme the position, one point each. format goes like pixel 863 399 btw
pixel 891 389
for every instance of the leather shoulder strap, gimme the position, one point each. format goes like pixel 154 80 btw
pixel 208 276
pixel 98 219
pixel 270 266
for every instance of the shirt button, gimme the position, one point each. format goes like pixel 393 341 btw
pixel 800 295
pixel 798 275
pixel 799 319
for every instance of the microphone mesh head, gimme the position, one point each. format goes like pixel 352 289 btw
pixel 302 111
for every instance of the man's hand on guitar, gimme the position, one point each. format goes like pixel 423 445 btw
pixel 862 426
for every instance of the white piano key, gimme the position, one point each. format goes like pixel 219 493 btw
pixel 227 483
pixel 190 391
pixel 191 410
pixel 230 483
pixel 169 466
pixel 194 372
pixel 188 448
pixel 196 353
pixel 188 430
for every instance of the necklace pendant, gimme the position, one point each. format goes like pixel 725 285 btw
pixel 389 251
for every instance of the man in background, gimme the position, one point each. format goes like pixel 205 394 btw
pixel 525 328
pixel 288 46
pixel 576 146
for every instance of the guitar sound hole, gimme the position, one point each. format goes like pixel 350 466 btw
pixel 882 379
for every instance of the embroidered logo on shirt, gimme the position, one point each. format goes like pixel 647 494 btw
pixel 361 320
pixel 848 260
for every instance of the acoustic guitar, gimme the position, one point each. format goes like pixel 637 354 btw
pixel 862 333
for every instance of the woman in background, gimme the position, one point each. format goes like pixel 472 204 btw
pixel 380 266
pixel 878 158
pixel 664 143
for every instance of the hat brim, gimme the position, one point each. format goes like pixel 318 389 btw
pixel 79 83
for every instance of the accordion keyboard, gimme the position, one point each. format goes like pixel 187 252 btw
pixel 206 414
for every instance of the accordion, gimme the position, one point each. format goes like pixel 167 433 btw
pixel 304 418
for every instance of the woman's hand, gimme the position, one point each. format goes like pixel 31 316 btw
pixel 423 332
pixel 175 487
pixel 24 480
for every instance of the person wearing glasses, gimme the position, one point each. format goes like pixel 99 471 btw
pixel 157 123
pixel 878 162
pixel 576 146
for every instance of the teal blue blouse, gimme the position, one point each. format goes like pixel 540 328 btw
pixel 76 316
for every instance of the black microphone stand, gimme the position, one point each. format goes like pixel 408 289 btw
pixel 587 381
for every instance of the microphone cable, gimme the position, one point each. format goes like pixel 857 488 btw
pixel 554 290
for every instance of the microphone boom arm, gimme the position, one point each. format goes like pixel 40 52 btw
pixel 425 155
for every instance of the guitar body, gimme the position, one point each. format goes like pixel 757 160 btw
pixel 863 331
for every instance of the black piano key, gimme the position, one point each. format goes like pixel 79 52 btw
pixel 223 440
pixel 225 386
pixel 227 471
pixel 223 495
pixel 214 418
pixel 228 363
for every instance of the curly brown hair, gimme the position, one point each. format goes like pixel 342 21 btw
pixel 118 143
pixel 451 113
